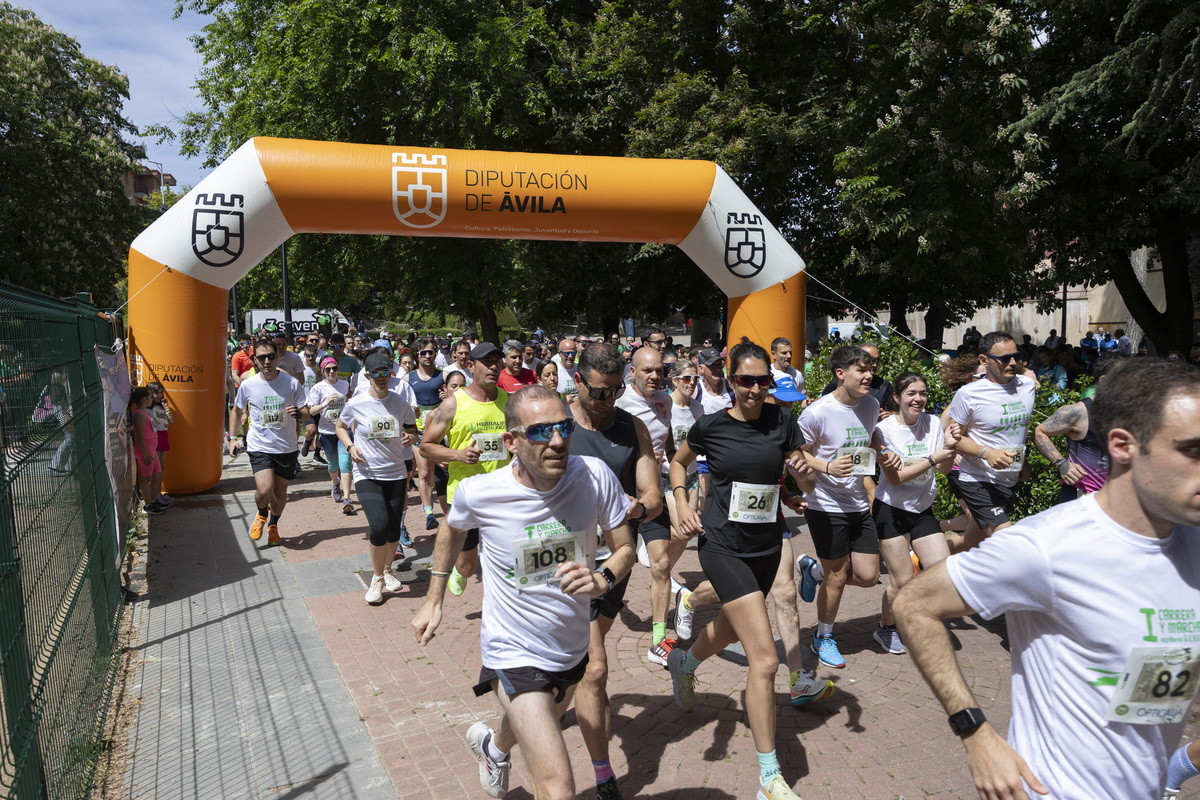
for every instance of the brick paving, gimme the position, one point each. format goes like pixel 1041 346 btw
pixel 880 736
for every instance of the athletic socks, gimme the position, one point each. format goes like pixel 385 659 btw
pixel 690 663
pixel 824 629
pixel 494 753
pixel 274 519
pixel 660 633
pixel 1179 769
pixel 262 512
pixel 768 767
pixel 687 602
pixel 427 510
pixel 604 771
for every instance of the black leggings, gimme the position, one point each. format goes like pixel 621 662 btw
pixel 383 502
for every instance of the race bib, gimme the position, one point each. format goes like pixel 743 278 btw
pixel 1017 462
pixel 924 477
pixel 334 409
pixel 382 428
pixel 425 412
pixel 862 460
pixel 753 502
pixel 536 560
pixel 491 446
pixel 1156 687
pixel 271 420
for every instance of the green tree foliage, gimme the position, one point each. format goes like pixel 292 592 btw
pixel 1114 138
pixel 65 224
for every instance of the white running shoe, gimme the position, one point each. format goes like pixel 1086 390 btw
pixel 683 616
pixel 390 581
pixel 375 592
pixel 493 775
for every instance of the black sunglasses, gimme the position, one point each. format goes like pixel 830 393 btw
pixel 602 393
pixel 747 381
pixel 266 356
pixel 1004 359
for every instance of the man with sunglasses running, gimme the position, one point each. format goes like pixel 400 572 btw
pixel 472 422
pixel 994 414
pixel 537 522
pixel 621 441
pixel 567 350
pixel 275 402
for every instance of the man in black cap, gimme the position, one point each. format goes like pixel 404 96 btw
pixel 472 422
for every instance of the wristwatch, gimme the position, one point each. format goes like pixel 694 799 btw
pixel 608 576
pixel 967 721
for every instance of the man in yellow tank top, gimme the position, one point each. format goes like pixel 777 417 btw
pixel 472 422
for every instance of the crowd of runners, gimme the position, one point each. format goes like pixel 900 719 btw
pixel 554 468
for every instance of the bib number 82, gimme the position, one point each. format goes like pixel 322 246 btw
pixel 1163 687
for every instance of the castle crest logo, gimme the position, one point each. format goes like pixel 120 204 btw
pixel 419 189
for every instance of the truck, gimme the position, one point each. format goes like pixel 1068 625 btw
pixel 304 320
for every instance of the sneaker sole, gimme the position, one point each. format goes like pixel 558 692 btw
pixel 662 662
pixel 805 699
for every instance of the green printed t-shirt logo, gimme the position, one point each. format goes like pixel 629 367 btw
pixel 1014 417
pixel 918 449
pixel 856 437
pixel 1171 625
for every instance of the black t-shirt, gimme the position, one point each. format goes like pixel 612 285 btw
pixel 747 452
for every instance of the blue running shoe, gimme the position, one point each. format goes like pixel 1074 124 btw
pixel 808 584
pixel 826 650
pixel 405 539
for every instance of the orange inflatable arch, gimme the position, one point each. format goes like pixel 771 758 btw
pixel 182 267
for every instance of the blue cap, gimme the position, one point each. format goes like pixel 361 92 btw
pixel 383 343
pixel 785 389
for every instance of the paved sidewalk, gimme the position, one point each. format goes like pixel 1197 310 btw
pixel 267 676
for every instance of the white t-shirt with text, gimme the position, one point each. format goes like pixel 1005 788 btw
pixel 335 393
pixel 913 443
pixel 272 430
pixel 995 415
pixel 378 424
pixel 534 624
pixel 828 425
pixel 1079 594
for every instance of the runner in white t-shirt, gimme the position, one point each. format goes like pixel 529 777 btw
pixel 903 507
pixel 994 414
pixel 567 350
pixel 1101 599
pixel 326 400
pixel 839 429
pixel 312 376
pixel 384 426
pixel 537 519
pixel 646 401
pixel 275 403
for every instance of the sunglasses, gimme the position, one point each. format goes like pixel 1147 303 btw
pixel 1004 359
pixel 687 378
pixel 566 353
pixel 381 373
pixel 544 431
pixel 331 369
pixel 426 352
pixel 748 381
pixel 266 356
pixel 602 393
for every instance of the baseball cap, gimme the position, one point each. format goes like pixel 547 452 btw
pixel 383 343
pixel 709 356
pixel 785 389
pixel 483 349
pixel 376 361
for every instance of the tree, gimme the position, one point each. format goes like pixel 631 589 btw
pixel 65 224
pixel 1115 131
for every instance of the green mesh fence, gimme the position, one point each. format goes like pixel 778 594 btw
pixel 60 589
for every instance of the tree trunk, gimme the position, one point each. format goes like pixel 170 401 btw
pixel 1170 329
pixel 489 329
pixel 898 312
pixel 935 326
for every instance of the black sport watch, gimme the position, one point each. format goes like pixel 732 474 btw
pixel 967 721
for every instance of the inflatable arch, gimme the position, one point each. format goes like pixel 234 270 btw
pixel 182 267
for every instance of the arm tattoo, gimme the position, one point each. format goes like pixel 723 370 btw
pixel 1063 420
